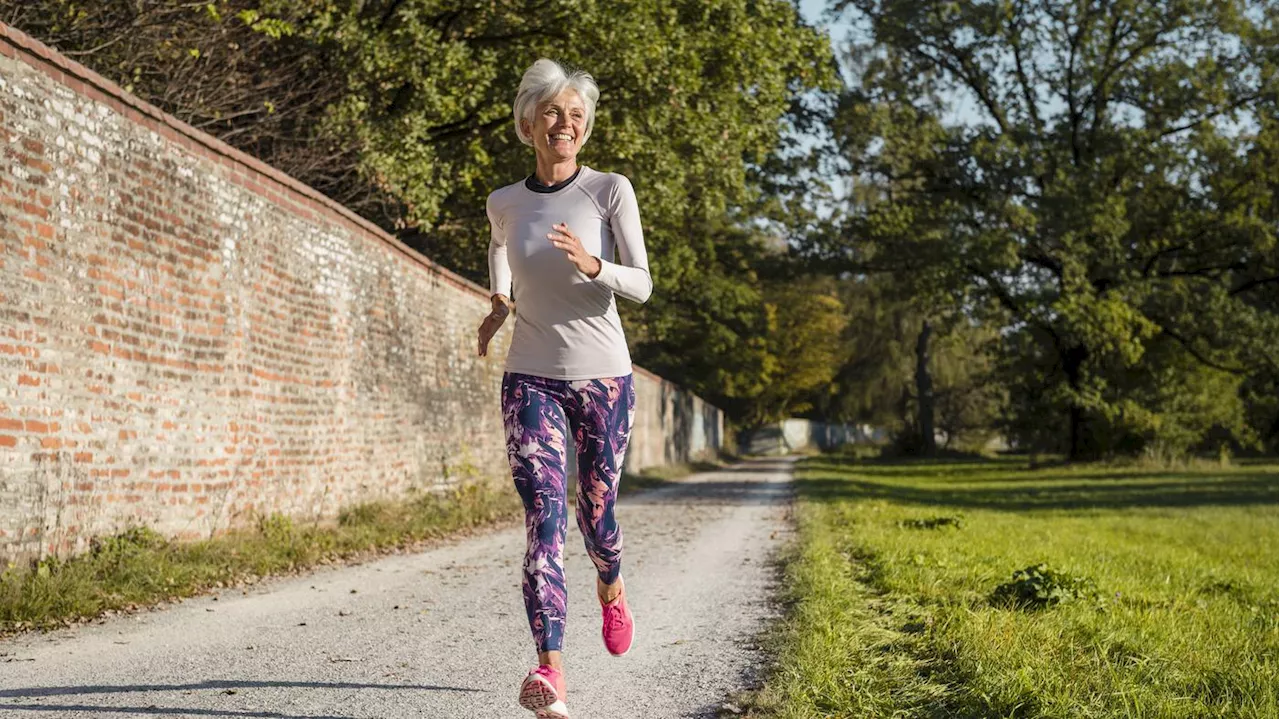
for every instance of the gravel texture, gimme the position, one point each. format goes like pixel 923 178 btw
pixel 442 633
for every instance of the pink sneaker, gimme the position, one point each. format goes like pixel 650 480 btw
pixel 542 692
pixel 618 625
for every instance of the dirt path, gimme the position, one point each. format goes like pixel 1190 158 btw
pixel 441 633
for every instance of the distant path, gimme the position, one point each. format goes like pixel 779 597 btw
pixel 699 583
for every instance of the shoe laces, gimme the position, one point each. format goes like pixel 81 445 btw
pixel 614 617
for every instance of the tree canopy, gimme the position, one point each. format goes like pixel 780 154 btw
pixel 1103 175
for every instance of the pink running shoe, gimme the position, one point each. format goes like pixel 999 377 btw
pixel 618 625
pixel 542 693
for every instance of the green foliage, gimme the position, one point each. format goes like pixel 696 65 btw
pixel 1109 188
pixel 801 343
pixel 1039 587
pixel 874 380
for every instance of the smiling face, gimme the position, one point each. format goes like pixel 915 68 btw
pixel 559 126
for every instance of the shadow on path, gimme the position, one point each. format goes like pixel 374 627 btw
pixel 154 710
pixel 164 711
pixel 212 684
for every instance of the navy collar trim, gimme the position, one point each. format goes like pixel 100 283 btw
pixel 532 183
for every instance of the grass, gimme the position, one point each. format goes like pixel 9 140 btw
pixel 139 568
pixel 1157 597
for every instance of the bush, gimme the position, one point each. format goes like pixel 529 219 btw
pixel 1039 587
pixel 930 523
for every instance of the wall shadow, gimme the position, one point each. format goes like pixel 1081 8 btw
pixel 155 710
pixel 212 684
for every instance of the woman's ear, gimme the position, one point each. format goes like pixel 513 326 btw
pixel 526 129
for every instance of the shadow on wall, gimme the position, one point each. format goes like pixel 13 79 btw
pixel 677 413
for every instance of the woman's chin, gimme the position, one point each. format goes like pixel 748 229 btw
pixel 561 154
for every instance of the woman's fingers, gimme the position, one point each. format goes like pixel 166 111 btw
pixel 562 239
pixel 561 233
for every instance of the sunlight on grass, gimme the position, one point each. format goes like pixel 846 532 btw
pixel 893 577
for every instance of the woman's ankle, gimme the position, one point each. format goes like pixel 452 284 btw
pixel 551 659
pixel 608 592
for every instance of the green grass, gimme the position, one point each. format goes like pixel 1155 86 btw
pixel 138 567
pixel 891 584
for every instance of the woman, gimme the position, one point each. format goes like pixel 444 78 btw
pixel 568 368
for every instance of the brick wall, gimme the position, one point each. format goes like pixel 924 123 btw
pixel 189 337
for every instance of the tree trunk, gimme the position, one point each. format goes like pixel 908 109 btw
pixel 924 391
pixel 1078 448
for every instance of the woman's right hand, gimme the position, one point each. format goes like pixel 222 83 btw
pixel 492 323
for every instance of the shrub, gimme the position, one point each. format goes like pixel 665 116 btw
pixel 930 523
pixel 1039 587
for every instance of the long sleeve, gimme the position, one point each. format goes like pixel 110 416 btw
pixel 630 278
pixel 499 267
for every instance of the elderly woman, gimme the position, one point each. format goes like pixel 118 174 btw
pixel 568 368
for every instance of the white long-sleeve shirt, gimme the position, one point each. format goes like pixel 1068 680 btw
pixel 567 324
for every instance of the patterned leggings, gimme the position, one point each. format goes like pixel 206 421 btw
pixel 537 411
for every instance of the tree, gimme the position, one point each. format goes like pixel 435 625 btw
pixel 1111 186
pixel 879 370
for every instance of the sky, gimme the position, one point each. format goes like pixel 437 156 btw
pixel 963 108
pixel 813 10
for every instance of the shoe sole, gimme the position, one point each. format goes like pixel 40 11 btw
pixel 538 696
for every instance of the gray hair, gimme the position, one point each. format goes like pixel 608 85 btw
pixel 546 79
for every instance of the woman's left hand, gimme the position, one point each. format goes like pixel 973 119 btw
pixel 562 238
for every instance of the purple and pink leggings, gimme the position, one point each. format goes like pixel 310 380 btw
pixel 538 412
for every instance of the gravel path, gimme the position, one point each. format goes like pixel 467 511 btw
pixel 441 633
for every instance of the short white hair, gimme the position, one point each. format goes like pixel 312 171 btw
pixel 544 80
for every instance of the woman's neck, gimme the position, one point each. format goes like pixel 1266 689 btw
pixel 550 172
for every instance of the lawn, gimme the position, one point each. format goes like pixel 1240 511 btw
pixel 1166 601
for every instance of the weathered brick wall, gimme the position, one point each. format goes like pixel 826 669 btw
pixel 671 425
pixel 189 337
